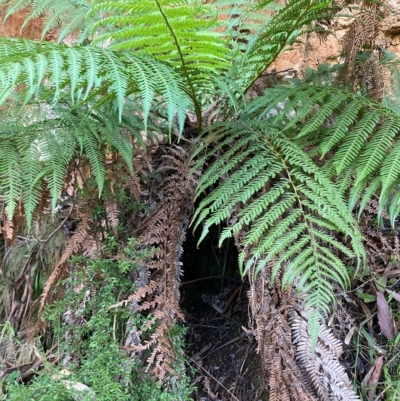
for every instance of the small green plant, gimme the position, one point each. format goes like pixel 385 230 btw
pixel 90 338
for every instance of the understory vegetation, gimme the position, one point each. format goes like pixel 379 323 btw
pixel 146 119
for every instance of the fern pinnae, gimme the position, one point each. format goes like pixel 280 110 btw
pixel 390 173
pixel 280 100
pixel 326 266
pixel 301 272
pixel 226 163
pixel 341 126
pixel 119 81
pixel 41 68
pixel 57 155
pixel 30 68
pixel 376 149
pixel 114 136
pixel 265 240
pixel 74 61
pixel 176 97
pixel 56 64
pixel 299 252
pixel 234 183
pixel 318 299
pixel 326 212
pixel 237 145
pixel 10 171
pixel 14 6
pixel 323 223
pixel 95 157
pixel 38 8
pixel 261 226
pixel 257 206
pixel 282 30
pixel 354 142
pixel 31 193
pixel 253 210
pixel 281 244
pixel 298 259
pixel 92 61
pixel 394 209
pixel 78 21
pixel 355 192
pixel 302 107
pixel 328 239
pixel 231 90
pixel 368 193
pixel 244 193
pixel 137 68
pixel 275 248
pixel 325 111
pixel 52 19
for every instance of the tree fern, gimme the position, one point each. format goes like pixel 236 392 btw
pixel 284 209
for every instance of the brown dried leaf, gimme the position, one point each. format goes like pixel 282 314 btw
pixel 374 380
pixel 384 318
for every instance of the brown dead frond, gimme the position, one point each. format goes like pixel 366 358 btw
pixel 360 36
pixel 323 374
pixel 169 193
pixel 371 77
pixel 270 307
pixel 10 228
pixel 75 244
pixel 363 70
pixel 112 212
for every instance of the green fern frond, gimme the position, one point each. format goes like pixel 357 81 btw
pixel 376 149
pixel 67 16
pixel 341 125
pixel 355 136
pixel 282 31
pixel 394 208
pixel 390 173
pixel 87 72
pixel 39 145
pixel 10 170
pixel 96 158
pixel 367 194
pixel 180 33
pixel 286 208
pixel 356 140
pixel 31 172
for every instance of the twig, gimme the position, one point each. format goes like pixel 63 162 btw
pixel 214 378
pixel 224 345
pixel 61 224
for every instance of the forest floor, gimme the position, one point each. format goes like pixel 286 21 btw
pixel 219 344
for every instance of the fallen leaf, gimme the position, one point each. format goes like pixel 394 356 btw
pixel 374 379
pixel 384 318
pixel 349 335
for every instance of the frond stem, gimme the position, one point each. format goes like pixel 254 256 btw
pixel 185 70
pixel 289 176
